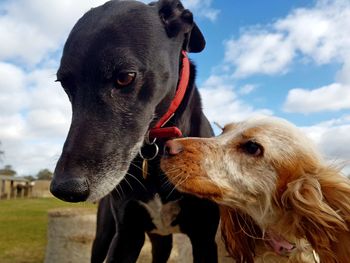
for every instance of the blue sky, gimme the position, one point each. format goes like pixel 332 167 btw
pixel 283 58
pixel 236 16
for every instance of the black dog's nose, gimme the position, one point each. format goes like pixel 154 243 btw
pixel 70 190
pixel 172 147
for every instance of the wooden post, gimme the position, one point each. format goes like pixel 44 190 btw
pixel 12 192
pixel 26 189
pixel 8 195
pixel 30 194
pixel 70 235
pixel 1 189
pixel 22 190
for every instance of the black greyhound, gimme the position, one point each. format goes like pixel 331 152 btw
pixel 120 68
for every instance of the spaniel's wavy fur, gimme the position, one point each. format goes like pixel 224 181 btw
pixel 284 188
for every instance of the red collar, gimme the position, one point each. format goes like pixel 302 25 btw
pixel 159 131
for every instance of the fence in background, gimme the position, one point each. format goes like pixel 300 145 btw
pixel 13 187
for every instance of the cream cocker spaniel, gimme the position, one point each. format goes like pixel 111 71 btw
pixel 280 201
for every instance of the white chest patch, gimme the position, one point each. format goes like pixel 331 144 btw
pixel 162 215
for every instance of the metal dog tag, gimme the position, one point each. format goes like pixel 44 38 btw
pixel 145 168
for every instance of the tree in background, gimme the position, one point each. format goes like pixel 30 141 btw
pixel 44 174
pixel 8 170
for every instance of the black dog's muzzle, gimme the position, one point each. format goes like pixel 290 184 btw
pixel 70 190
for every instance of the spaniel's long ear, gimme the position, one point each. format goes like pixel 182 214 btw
pixel 237 231
pixel 319 205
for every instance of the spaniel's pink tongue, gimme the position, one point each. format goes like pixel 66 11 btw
pixel 279 244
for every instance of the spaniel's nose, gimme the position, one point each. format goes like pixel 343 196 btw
pixel 172 147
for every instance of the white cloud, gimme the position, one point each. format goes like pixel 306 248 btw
pixel 12 127
pixel 30 29
pixel 332 97
pixel 259 52
pixel 332 138
pixel 221 103
pixel 41 84
pixel 247 89
pixel 34 118
pixel 12 97
pixel 343 75
pixel 202 8
pixel 28 157
pixel 48 123
pixel 320 33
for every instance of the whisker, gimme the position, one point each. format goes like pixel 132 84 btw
pixel 121 189
pixel 175 168
pixel 126 180
pixel 120 196
pixel 180 182
pixel 134 177
pixel 136 166
pixel 173 187
pixel 167 184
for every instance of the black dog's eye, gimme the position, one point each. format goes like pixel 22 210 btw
pixel 125 78
pixel 252 148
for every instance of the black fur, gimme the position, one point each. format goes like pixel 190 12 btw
pixel 109 123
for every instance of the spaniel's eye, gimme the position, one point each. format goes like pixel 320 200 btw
pixel 252 148
pixel 125 78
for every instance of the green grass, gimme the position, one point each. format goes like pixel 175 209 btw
pixel 23 227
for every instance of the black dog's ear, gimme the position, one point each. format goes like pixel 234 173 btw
pixel 196 41
pixel 178 20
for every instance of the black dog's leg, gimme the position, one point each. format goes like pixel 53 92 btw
pixel 200 228
pixel 161 247
pixel 105 231
pixel 126 245
pixel 204 249
pixel 130 232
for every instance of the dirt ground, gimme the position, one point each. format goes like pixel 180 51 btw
pixel 182 251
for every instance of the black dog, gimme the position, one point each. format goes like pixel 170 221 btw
pixel 120 67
